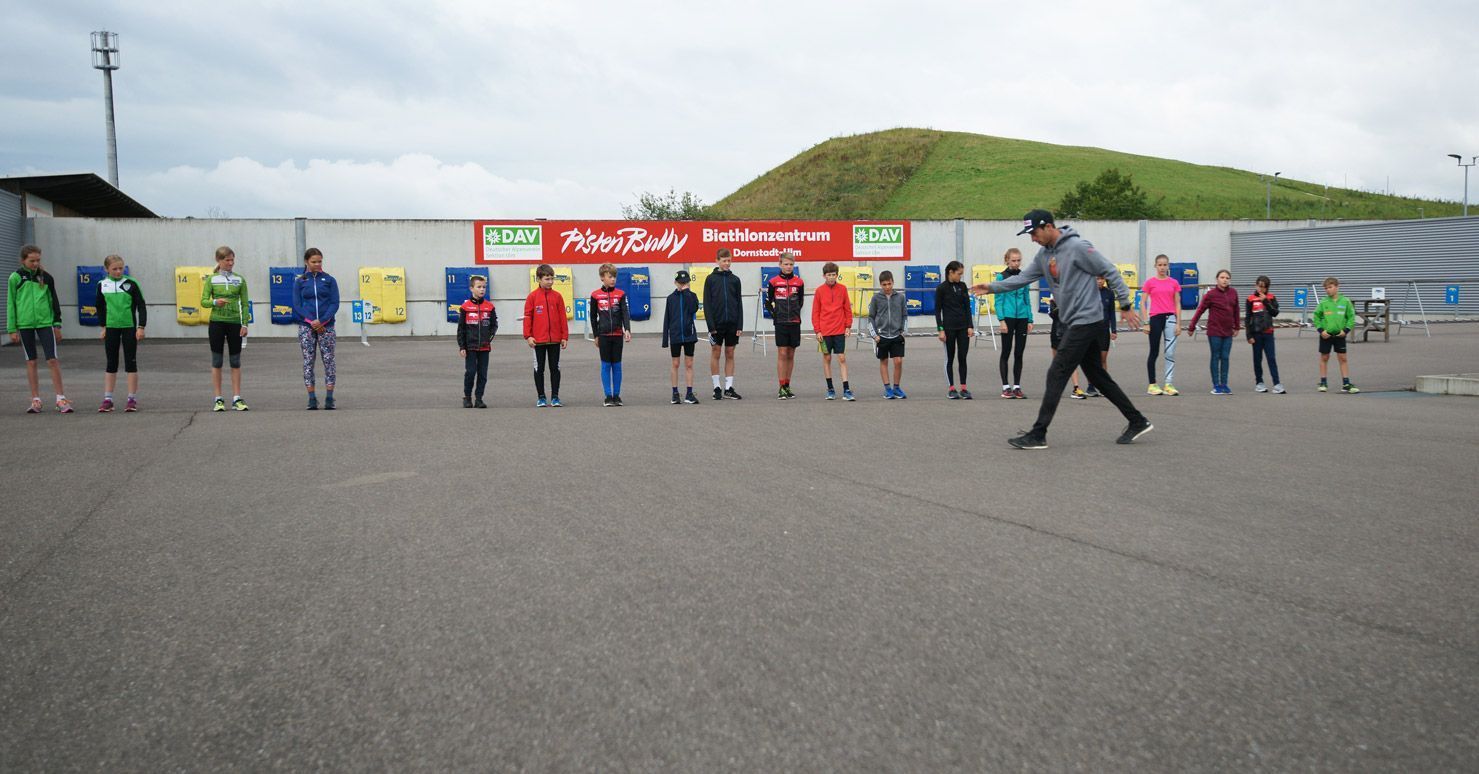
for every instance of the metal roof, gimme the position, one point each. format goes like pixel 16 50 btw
pixel 84 192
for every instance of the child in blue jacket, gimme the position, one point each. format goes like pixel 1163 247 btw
pixel 315 303
pixel 679 334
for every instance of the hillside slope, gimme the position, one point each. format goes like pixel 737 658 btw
pixel 926 174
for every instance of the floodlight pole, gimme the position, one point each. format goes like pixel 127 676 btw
pixel 105 57
pixel 1268 195
pixel 1460 160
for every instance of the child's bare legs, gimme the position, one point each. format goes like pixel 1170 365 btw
pixel 1324 365
pixel 898 369
pixel 687 371
pixel 133 383
pixel 216 380
pixel 842 360
pixel 1345 368
pixel 33 378
pixel 674 373
pixel 110 381
pixel 56 376
pixel 883 371
pixel 714 351
pixel 235 382
pixel 827 365
pixel 785 363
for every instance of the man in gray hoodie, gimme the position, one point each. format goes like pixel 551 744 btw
pixel 1073 267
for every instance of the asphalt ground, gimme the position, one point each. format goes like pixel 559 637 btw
pixel 1262 583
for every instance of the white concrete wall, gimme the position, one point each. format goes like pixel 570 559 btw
pixel 425 248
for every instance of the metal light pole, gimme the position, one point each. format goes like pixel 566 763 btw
pixel 1268 195
pixel 1460 160
pixel 105 57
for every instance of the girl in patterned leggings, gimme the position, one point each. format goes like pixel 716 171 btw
pixel 315 303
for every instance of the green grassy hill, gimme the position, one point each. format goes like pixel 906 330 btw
pixel 925 174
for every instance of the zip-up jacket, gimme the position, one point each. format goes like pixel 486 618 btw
pixel 1260 313
pixel 831 310
pixel 784 296
pixel 1221 307
pixel 1072 266
pixel 544 317
pixel 32 302
pixel 1335 315
pixel 121 303
pixel 1013 304
pixel 315 298
pixel 233 288
pixel 678 325
pixel 723 304
pixel 609 314
pixel 1106 300
pixel 477 322
pixel 888 315
pixel 952 306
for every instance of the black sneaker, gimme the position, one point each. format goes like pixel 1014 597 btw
pixel 1135 430
pixel 1028 441
pixel 966 394
pixel 732 395
pixel 467 401
pixel 690 398
pixel 479 403
pixel 676 400
pixel 608 401
pixel 718 394
pixel 616 400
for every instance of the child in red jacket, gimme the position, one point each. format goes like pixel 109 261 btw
pixel 1220 304
pixel 831 316
pixel 547 332
pixel 477 321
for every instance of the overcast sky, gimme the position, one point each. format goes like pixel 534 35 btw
pixel 569 109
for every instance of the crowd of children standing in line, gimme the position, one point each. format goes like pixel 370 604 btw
pixel 33 320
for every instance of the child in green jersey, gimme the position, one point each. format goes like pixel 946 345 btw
pixel 121 308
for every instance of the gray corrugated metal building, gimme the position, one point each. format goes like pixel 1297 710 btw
pixel 1434 253
pixel 12 234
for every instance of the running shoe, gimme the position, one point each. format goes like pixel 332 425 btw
pixel 329 403
pixel 107 407
pixel 966 394
pixel 131 406
pixel 1028 441
pixel 312 402
pixel 1091 392
pixel 888 392
pixel 847 395
pixel 1077 394
pixel 1154 389
pixel 1135 430
pixel 677 400
pixel 690 398
pixel 1017 393
pixel 1323 387
pixel 790 394
pixel 554 402
pixel 35 406
pixel 1278 389
pixel 780 393
pixel 466 402
pixel 731 394
pixel 478 403
pixel 1006 392
pixel 220 404
pixel 718 394
pixel 1260 387
pixel 64 406
pixel 542 403
pixel 831 394
pixel 899 393
pixel 617 400
pixel 1170 390
pixel 608 402
pixel 1349 388
pixel 239 405
pixel 953 394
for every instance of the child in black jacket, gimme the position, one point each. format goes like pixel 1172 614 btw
pixel 679 334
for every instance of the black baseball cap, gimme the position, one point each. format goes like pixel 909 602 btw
pixel 682 277
pixel 1035 219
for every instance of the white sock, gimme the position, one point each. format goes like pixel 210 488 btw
pixel 235 398
pixel 729 382
pixel 716 381
pixel 60 397
pixel 1016 386
pixel 1006 386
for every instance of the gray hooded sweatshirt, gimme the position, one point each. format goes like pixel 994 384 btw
pixel 1075 288
pixel 888 315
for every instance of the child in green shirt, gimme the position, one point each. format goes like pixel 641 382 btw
pixel 1334 318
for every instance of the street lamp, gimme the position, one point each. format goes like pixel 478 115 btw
pixel 1460 160
pixel 1268 195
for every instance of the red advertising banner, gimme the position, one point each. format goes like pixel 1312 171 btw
pixel 662 241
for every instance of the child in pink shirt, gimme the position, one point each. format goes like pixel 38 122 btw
pixel 1163 296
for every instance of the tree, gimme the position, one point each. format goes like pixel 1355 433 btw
pixel 1111 196
pixel 669 206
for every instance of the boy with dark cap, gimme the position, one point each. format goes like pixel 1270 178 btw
pixel 679 334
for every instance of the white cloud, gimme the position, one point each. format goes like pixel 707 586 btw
pixel 411 186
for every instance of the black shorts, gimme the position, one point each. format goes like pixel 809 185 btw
pixel 1336 343
pixel 30 337
pixel 682 349
pixel 1104 339
pixel 832 345
pixel 887 348
pixel 787 334
pixel 727 335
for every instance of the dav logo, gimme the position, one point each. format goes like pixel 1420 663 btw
pixel 513 243
pixel 877 241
